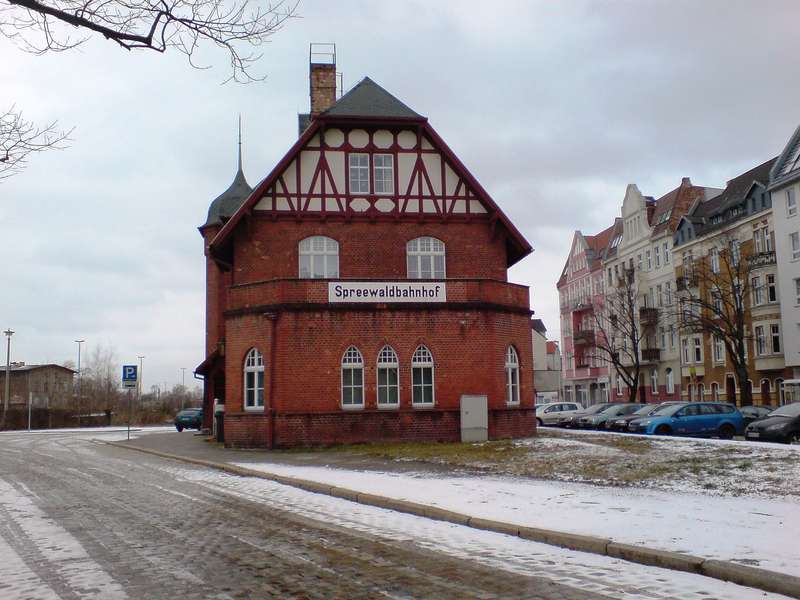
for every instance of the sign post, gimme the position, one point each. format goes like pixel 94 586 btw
pixel 130 377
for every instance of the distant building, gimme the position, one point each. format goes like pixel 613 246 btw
pixel 784 186
pixel 546 364
pixel 46 386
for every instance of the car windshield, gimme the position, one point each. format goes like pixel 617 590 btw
pixel 593 410
pixel 790 410
pixel 668 411
pixel 645 410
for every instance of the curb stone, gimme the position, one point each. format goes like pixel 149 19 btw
pixel 762 579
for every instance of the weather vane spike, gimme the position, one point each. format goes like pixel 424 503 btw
pixel 240 141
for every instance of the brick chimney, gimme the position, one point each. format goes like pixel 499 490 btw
pixel 322 86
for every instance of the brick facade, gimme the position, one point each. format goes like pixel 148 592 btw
pixel 256 299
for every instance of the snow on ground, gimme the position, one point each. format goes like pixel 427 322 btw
pixel 50 545
pixel 112 433
pixel 611 577
pixel 752 531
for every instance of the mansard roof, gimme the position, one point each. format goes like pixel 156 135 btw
pixel 677 203
pixel 369 100
pixel 787 166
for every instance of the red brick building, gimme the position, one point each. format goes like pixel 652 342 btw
pixel 360 289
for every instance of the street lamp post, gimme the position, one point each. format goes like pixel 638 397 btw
pixel 183 388
pixel 8 333
pixel 79 342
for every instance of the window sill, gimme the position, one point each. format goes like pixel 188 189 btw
pixel 388 406
pixel 254 409
pixel 352 407
pixel 423 405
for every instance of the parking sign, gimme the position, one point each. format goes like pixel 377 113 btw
pixel 129 376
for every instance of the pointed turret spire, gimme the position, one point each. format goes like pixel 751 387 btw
pixel 231 199
pixel 240 142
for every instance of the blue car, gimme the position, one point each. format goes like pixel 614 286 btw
pixel 699 419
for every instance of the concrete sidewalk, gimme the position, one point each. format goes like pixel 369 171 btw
pixel 197 450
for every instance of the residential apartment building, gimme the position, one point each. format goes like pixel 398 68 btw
pixel 546 364
pixel 731 236
pixel 785 190
pixel 581 287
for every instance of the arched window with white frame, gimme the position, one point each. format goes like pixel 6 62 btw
pixel 425 258
pixel 654 382
pixel 319 257
pixel 781 391
pixel 715 391
pixel 254 380
pixel 388 378
pixel 352 378
pixel 422 373
pixel 701 392
pixel 512 376
pixel 670 381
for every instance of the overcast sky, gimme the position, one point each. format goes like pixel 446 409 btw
pixel 554 107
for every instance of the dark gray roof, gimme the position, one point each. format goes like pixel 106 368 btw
pixel 18 368
pixel 368 99
pixel 787 166
pixel 538 325
pixel 228 202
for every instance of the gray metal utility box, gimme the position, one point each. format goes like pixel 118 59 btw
pixel 474 418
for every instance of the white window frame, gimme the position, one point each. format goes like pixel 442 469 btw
pixel 358 172
pixel 714 260
pixel 383 174
pixel 775 334
pixel 697 347
pixel 512 376
pixel 757 290
pixel 797 291
pixel 387 362
pixel 654 382
pixel 422 248
pixel 714 391
pixel 421 360
pixel 352 363
pixel 253 389
pixel 316 251
pixel 772 288
pixel 791 203
pixel 760 340
pixel 666 253
pixel 718 353
pixel 794 242
pixel 670 381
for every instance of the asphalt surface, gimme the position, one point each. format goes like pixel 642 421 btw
pixel 85 520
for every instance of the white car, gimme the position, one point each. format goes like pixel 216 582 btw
pixel 552 413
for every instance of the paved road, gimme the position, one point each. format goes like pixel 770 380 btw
pixel 85 520
pixel 80 519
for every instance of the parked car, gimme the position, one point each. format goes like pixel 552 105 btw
pixel 781 425
pixel 601 418
pixel 621 423
pixel 754 413
pixel 572 420
pixel 701 419
pixel 191 418
pixel 553 412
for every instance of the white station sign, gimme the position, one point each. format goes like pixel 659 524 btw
pixel 386 291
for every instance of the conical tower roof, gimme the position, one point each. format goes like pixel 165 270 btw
pixel 229 201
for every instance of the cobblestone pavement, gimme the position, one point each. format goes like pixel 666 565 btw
pixel 78 520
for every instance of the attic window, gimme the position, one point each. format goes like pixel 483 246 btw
pixel 615 242
pixel 792 160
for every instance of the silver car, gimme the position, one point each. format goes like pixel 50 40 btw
pixel 552 413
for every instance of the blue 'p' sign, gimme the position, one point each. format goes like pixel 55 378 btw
pixel 129 373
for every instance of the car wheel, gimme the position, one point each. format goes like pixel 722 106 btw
pixel 179 428
pixel 726 432
pixel 794 438
pixel 539 422
pixel 663 430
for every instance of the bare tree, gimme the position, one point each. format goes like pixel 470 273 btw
pixel 20 138
pixel 620 332
pixel 186 26
pixel 100 381
pixel 715 300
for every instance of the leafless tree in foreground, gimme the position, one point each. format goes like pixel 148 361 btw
pixel 618 337
pixel 20 138
pixel 716 302
pixel 187 26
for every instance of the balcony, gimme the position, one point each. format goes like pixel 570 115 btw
pixel 275 294
pixel 762 259
pixel 651 355
pixel 585 336
pixel 773 362
pixel 648 316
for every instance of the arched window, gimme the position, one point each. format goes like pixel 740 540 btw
pixel 690 390
pixel 512 376
pixel 422 377
pixel 781 392
pixel 670 381
pixel 654 382
pixel 701 392
pixel 254 381
pixel 352 378
pixel 319 257
pixel 715 392
pixel 388 378
pixel 425 258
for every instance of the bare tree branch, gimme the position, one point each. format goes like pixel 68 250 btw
pixel 40 26
pixel 20 138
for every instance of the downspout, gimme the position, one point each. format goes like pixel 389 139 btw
pixel 273 318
